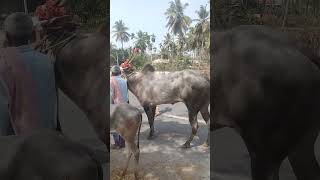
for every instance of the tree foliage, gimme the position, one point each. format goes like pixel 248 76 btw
pixel 187 41
pixel 92 13
pixel 178 22
pixel 120 32
pixel 144 41
pixel 289 13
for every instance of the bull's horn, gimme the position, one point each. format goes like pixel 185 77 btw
pixel 133 56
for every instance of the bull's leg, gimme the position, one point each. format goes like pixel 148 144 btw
pixel 303 160
pixel 265 163
pixel 263 168
pixel 150 111
pixel 194 125
pixel 206 116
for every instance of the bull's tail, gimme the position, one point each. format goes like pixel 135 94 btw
pixel 140 118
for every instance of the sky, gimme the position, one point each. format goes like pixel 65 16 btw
pixel 147 15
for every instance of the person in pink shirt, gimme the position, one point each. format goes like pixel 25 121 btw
pixel 119 94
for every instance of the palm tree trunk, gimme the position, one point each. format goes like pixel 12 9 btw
pixel 263 8
pixel 307 7
pixel 285 14
pixel 314 7
pixel 122 51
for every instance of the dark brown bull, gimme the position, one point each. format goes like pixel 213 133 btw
pixel 80 66
pixel 187 86
pixel 46 154
pixel 81 75
pixel 267 88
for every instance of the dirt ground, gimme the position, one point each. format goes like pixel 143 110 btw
pixel 162 158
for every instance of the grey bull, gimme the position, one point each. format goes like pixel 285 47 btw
pixel 188 86
pixel 266 87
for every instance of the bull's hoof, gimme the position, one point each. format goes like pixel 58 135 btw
pixel 186 145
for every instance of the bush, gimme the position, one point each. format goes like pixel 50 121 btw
pixel 92 13
pixel 140 60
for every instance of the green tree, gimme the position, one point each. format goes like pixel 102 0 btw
pixel 164 53
pixel 120 32
pixel 178 23
pixel 143 41
pixel 92 13
pixel 191 43
pixel 202 29
pixel 169 45
pixel 152 41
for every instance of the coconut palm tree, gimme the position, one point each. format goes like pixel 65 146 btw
pixel 120 32
pixel 202 28
pixel 191 42
pixel 142 41
pixel 178 23
pixel 169 45
pixel 153 38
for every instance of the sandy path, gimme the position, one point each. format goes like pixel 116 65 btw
pixel 162 158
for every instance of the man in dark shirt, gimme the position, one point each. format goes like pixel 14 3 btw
pixel 28 94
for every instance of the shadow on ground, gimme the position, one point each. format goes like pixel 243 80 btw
pixel 162 157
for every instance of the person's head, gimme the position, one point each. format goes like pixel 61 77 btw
pixel 18 29
pixel 115 71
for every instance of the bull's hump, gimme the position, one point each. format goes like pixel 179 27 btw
pixel 147 69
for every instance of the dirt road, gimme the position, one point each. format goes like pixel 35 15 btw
pixel 162 158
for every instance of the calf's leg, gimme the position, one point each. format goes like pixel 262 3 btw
pixel 136 152
pixel 128 160
pixel 132 149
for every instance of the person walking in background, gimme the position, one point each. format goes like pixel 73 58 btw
pixel 119 94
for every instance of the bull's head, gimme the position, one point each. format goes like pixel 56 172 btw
pixel 127 68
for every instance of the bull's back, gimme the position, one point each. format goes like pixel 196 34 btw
pixel 264 83
pixel 122 113
pixel 178 87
